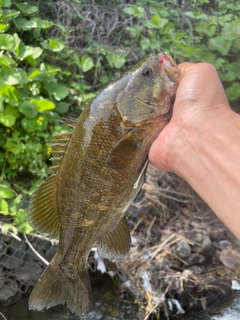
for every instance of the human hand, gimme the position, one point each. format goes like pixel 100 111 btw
pixel 199 99
pixel 201 143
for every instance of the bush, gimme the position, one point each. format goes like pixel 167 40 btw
pixel 53 61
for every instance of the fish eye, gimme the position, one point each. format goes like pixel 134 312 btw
pixel 146 71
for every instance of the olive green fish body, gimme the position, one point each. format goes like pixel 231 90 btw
pixel 99 169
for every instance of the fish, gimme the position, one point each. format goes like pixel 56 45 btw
pixel 97 170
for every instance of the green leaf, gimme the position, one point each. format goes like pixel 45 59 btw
pixel 25 228
pixel 3 26
pixel 22 51
pixel 6 41
pixel 59 92
pixel 26 8
pixel 115 60
pixel 6 3
pixel 24 24
pixel 233 92
pixel 6 192
pixel 7 120
pixel 42 104
pixel 135 11
pixel 220 44
pixel 62 107
pixel 3 207
pixel 35 124
pixel 5 60
pixel 43 24
pixel 10 94
pixel 20 217
pixel 10 110
pixel 13 76
pixel 10 13
pixel 36 75
pixel 28 109
pixel 219 62
pixel 135 31
pixel 155 22
pixel 56 45
pixel 86 63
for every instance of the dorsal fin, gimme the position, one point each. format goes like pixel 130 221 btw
pixel 43 214
pixel 71 122
pixel 58 149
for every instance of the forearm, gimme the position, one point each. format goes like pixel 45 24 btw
pixel 210 163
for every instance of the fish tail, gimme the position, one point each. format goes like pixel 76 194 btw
pixel 58 287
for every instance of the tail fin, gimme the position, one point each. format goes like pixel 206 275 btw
pixel 55 287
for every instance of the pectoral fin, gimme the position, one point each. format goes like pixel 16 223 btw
pixel 124 151
pixel 42 212
pixel 116 244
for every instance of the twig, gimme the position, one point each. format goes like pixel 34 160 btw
pixel 157 303
pixel 36 253
pixel 3 316
pixel 53 241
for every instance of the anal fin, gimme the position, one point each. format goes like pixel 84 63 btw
pixel 115 244
pixel 42 212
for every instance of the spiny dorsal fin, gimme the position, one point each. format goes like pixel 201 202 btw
pixel 60 144
pixel 42 212
pixel 71 122
pixel 115 244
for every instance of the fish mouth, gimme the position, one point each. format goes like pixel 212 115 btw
pixel 169 70
pixel 170 73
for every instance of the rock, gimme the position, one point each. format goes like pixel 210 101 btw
pixel 218 234
pixel 2 278
pixel 207 246
pixel 10 262
pixel 8 291
pixel 230 259
pixel 18 248
pixel 183 249
pixel 196 258
pixel 195 269
pixel 3 248
pixel 223 244
pixel 30 272
pixel 6 239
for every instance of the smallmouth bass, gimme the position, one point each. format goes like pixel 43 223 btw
pixel 98 170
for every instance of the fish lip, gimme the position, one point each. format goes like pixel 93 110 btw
pixel 168 67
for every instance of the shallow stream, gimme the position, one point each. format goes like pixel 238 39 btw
pixel 107 305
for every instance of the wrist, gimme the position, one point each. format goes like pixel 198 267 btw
pixel 205 147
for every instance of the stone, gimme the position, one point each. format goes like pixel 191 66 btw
pixel 10 262
pixel 230 259
pixel 183 249
pixel 195 269
pixel 18 248
pixel 6 239
pixel 196 258
pixel 223 244
pixel 8 291
pixel 29 272
pixel 207 247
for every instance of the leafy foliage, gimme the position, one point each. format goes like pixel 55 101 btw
pixel 56 55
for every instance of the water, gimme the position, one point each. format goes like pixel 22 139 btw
pixel 108 306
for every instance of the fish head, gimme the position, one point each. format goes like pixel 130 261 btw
pixel 150 90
